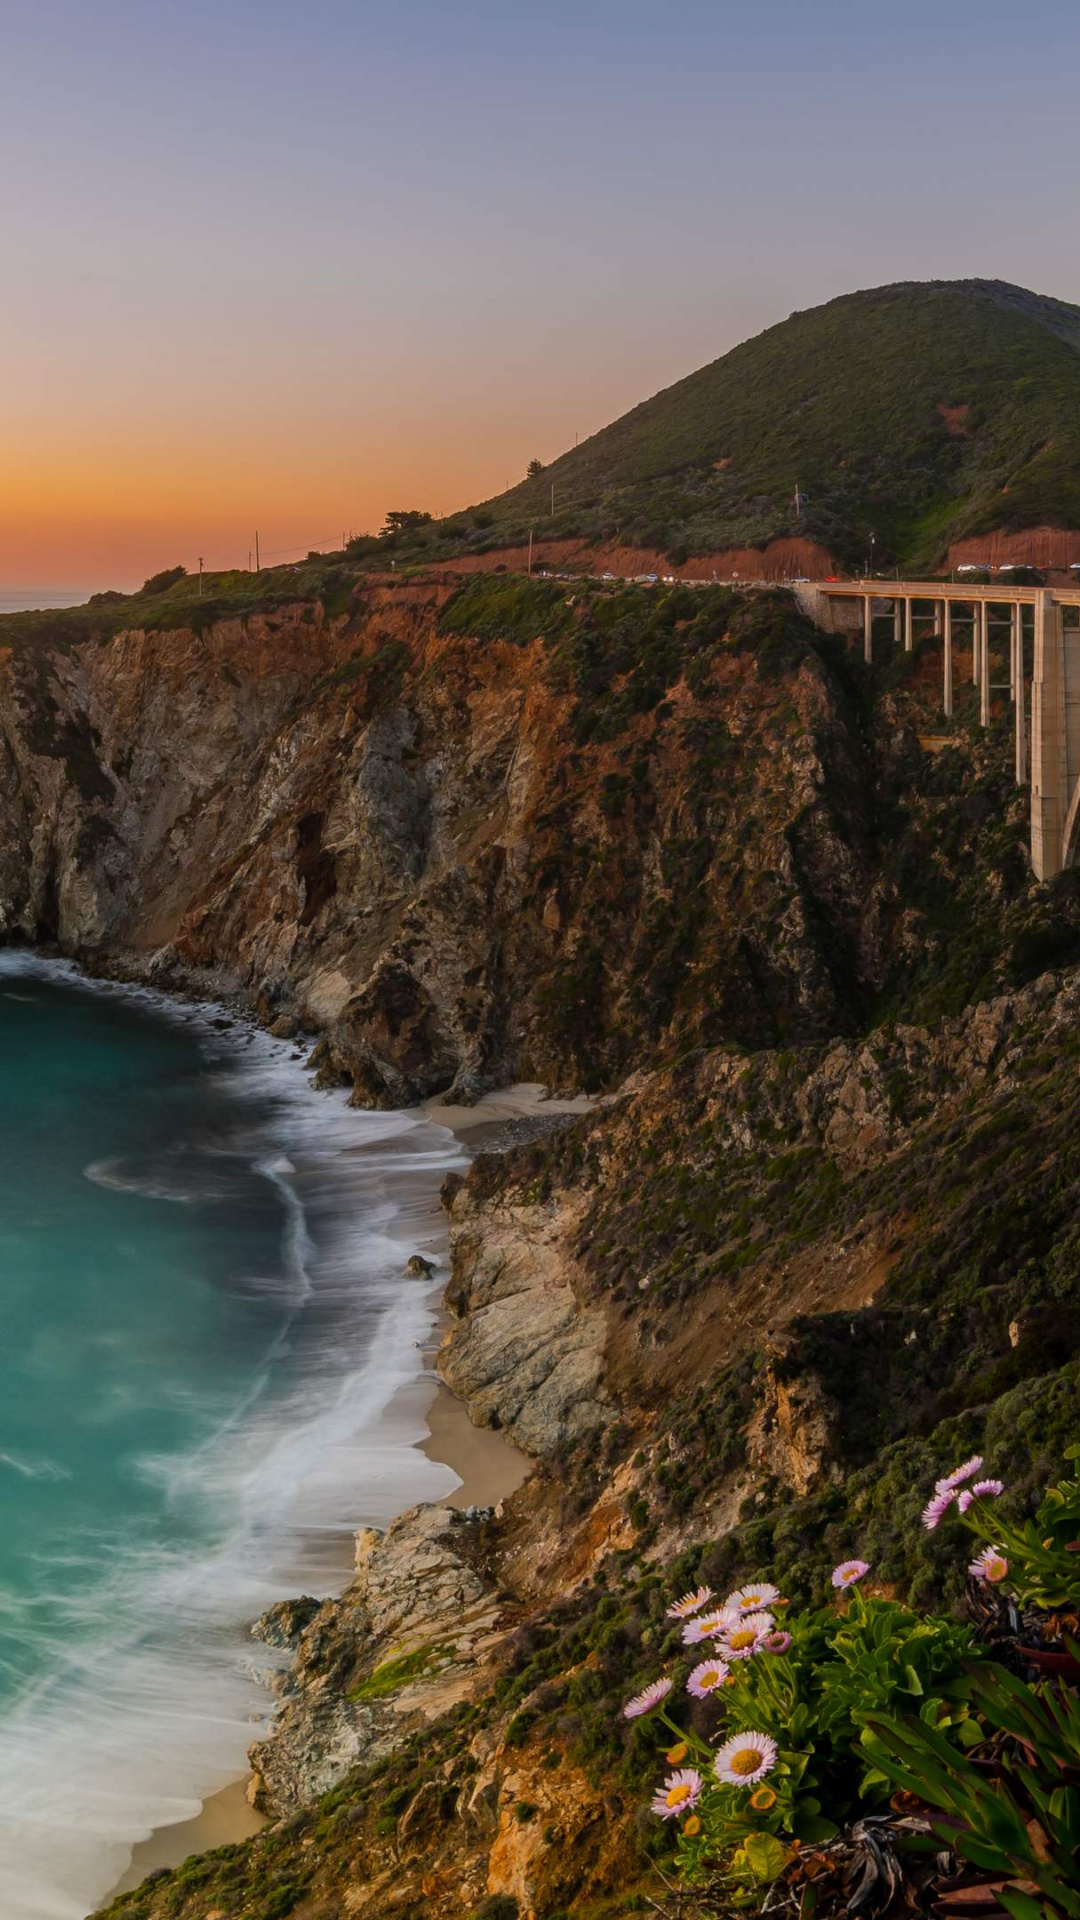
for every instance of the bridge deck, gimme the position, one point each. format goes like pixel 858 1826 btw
pixel 962 590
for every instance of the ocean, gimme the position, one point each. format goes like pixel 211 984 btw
pixel 26 599
pixel 208 1376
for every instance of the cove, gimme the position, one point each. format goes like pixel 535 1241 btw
pixel 206 1352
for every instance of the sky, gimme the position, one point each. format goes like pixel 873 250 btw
pixel 286 267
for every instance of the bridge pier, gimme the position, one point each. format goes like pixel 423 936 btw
pixel 897 620
pixel 1021 701
pixel 984 664
pixel 1049 758
pixel 947 690
pixel 868 628
pixel 909 625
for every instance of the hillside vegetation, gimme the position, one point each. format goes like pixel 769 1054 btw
pixel 920 413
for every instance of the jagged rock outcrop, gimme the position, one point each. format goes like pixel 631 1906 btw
pixel 407 1638
pixel 524 1353
pixel 793 1432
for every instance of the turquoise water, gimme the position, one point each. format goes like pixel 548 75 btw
pixel 204 1340
pixel 131 1329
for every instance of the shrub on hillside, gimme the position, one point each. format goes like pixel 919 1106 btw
pixel 161 582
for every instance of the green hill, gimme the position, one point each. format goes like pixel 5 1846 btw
pixel 921 412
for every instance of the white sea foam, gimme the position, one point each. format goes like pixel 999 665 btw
pixel 153 1690
pixel 34 1469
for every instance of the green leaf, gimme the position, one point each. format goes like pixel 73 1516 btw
pixel 1020 1905
pixel 996 1859
pixel 813 1828
pixel 765 1855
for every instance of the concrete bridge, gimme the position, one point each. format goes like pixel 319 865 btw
pixel 1042 626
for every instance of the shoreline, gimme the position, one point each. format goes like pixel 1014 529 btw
pixel 487 1467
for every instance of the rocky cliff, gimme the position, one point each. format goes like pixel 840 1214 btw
pixel 817 1235
pixel 466 837
pixel 505 829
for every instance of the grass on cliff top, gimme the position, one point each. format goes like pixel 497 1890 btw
pixel 224 596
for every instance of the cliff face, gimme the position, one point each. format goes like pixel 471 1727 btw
pixel 803 1283
pixel 463 860
pixel 816 1242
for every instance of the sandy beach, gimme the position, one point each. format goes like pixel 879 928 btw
pixel 487 1466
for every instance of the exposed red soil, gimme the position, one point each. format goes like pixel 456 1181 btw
pixel 1052 548
pixel 787 559
pixel 955 418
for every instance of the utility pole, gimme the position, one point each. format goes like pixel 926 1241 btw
pixel 249 559
pixel 258 569
pixel 200 576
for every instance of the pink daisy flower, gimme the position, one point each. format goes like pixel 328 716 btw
pixel 745 1636
pixel 745 1758
pixel 679 1793
pixel 690 1603
pixel 959 1474
pixel 777 1642
pixel 990 1564
pixel 647 1699
pixel 751 1599
pixel 849 1571
pixel 980 1491
pixel 707 1626
pixel 935 1508
pixel 707 1677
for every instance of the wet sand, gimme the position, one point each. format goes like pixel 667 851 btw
pixel 221 1821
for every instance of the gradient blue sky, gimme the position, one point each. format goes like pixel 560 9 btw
pixel 288 266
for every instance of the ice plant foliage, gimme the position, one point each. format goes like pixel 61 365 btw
pixel 647 1699
pixel 690 1603
pixel 848 1572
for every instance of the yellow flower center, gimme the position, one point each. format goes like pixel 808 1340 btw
pixel 743 1638
pixel 747 1760
pixel 750 1602
pixel 678 1796
pixel 711 1678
